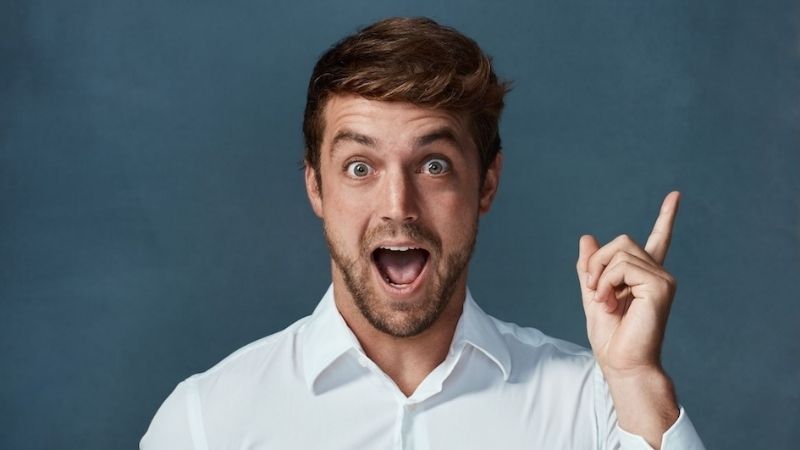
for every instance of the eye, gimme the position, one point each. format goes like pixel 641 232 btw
pixel 358 169
pixel 436 166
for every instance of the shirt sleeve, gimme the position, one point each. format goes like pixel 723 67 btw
pixel 177 424
pixel 680 436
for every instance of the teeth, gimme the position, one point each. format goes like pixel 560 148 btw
pixel 399 249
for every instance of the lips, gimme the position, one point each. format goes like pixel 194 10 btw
pixel 400 265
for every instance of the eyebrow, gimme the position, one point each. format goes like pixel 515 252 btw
pixel 352 136
pixel 440 134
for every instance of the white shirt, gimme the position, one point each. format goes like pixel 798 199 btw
pixel 311 386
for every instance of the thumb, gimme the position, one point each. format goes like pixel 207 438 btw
pixel 587 246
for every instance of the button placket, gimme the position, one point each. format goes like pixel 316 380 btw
pixel 414 431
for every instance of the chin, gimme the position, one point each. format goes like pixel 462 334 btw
pixel 401 282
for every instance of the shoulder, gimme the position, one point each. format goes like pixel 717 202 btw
pixel 222 390
pixel 534 353
pixel 534 339
pixel 254 359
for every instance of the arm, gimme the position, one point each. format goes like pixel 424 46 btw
pixel 174 426
pixel 626 297
pixel 681 435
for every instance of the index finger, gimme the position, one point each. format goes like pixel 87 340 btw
pixel 658 242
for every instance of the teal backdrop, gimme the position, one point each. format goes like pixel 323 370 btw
pixel 153 217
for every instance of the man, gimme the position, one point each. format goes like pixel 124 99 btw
pixel 402 158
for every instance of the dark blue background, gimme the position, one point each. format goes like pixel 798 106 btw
pixel 153 217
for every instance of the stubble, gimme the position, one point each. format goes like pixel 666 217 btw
pixel 407 319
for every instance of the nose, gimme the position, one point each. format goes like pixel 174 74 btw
pixel 400 202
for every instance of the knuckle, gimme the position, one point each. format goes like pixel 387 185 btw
pixel 625 239
pixel 672 283
pixel 666 284
pixel 619 258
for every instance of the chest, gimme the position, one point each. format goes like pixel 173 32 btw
pixel 363 415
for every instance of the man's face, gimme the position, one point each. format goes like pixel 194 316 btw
pixel 400 200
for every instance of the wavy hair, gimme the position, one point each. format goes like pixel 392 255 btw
pixel 414 60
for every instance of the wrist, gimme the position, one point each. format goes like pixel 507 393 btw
pixel 644 373
pixel 644 400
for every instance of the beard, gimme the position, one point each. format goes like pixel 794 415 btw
pixel 407 319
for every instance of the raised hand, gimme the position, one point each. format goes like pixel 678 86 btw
pixel 627 295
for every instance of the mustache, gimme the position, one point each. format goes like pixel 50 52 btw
pixel 409 230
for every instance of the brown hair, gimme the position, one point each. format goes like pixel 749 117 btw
pixel 413 60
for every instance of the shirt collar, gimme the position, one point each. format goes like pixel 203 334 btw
pixel 478 329
pixel 326 337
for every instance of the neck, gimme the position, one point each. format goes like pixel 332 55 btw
pixel 406 360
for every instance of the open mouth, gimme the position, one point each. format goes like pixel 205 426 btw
pixel 399 266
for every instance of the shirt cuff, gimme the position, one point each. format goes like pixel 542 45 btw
pixel 681 435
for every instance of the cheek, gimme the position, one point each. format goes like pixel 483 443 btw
pixel 346 216
pixel 454 214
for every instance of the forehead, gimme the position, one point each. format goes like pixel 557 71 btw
pixel 390 120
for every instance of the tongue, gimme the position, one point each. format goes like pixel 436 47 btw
pixel 400 267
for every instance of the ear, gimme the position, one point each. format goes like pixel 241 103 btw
pixel 490 184
pixel 313 190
